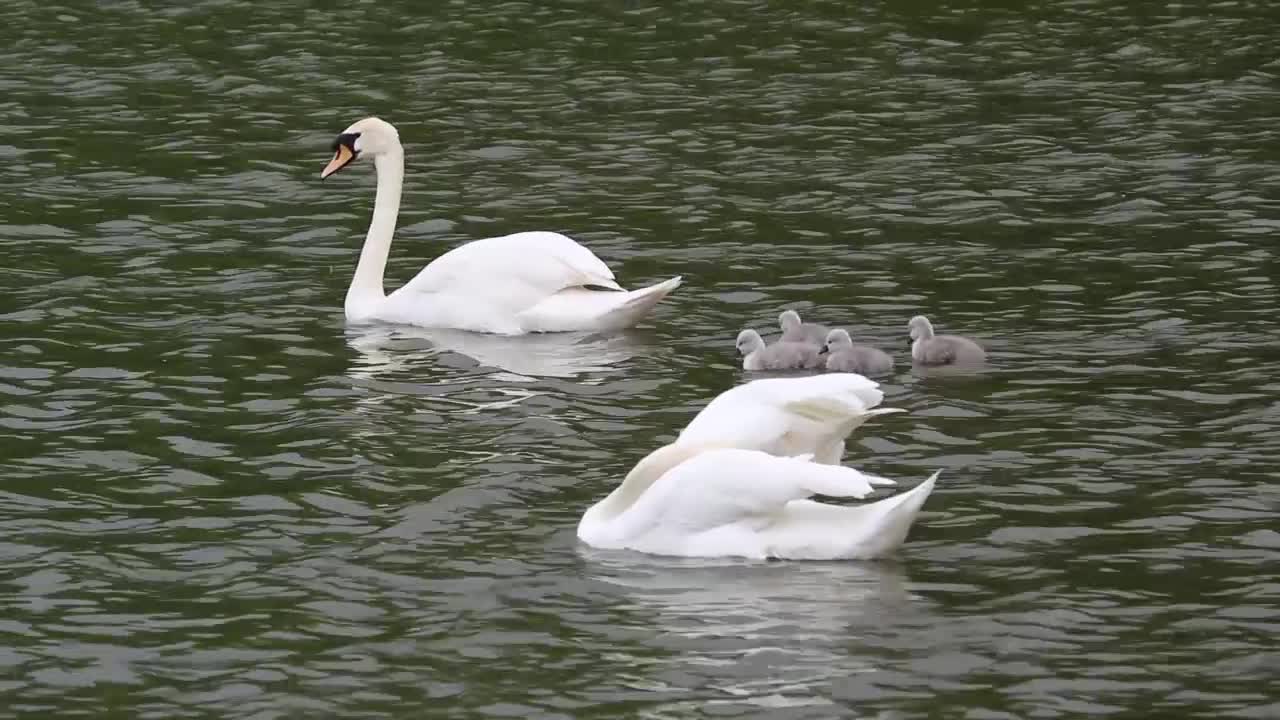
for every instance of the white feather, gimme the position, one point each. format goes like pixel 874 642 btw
pixel 514 284
pixel 729 502
pixel 736 480
pixel 789 416
pixel 526 282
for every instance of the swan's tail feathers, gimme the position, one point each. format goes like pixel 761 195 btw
pixel 884 525
pixel 579 309
pixel 819 531
pixel 637 304
pixel 647 297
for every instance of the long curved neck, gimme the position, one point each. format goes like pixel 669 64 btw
pixel 366 285
pixel 645 473
pixel 597 526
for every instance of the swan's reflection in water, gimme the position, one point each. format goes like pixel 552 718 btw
pixel 390 349
pixel 456 372
pixel 770 633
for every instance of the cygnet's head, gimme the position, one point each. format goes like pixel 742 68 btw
pixel 371 136
pixel 749 341
pixel 920 328
pixel 789 320
pixel 838 340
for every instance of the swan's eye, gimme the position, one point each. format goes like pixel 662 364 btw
pixel 348 139
pixel 344 152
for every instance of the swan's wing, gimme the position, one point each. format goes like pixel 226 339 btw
pixel 860 359
pixel 963 350
pixel 939 351
pixel 726 487
pixel 514 271
pixel 843 361
pixel 818 531
pixel 788 416
pixel 873 359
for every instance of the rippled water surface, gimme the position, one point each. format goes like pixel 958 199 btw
pixel 220 501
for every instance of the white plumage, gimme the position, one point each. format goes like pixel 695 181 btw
pixel 789 416
pixel 514 284
pixel 520 283
pixel 736 480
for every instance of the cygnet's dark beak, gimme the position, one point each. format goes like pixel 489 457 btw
pixel 344 151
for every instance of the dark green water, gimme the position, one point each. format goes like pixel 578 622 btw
pixel 218 501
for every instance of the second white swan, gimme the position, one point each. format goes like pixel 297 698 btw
pixel 515 284
pixel 736 482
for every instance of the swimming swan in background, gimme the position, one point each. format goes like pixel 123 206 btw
pixel 729 486
pixel 515 284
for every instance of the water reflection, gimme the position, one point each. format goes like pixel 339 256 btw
pixel 360 531
pixel 975 371
pixel 748 599
pixel 388 350
pixel 761 634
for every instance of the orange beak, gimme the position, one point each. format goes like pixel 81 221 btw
pixel 339 161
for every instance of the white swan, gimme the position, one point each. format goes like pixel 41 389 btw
pixel 515 284
pixel 715 499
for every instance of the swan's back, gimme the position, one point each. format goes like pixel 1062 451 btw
pixel 716 502
pixel 862 359
pixel 529 281
pixel 784 355
pixel 808 333
pixel 948 350
pixel 731 502
pixel 543 262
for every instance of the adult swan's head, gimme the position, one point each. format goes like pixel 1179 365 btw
pixel 371 136
pixel 377 139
